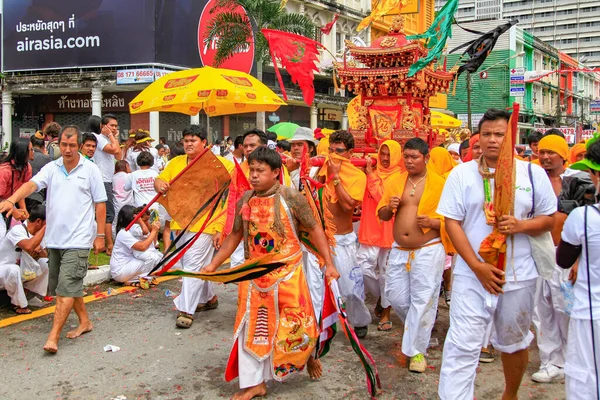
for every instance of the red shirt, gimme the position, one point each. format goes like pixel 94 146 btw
pixel 372 230
pixel 11 179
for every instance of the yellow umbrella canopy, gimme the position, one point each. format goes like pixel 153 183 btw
pixel 441 120
pixel 217 91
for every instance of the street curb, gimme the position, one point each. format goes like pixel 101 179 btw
pixel 97 276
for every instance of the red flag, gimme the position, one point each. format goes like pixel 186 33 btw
pixel 239 184
pixel 298 55
pixel 327 28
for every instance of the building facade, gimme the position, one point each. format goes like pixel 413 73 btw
pixel 548 99
pixel 571 26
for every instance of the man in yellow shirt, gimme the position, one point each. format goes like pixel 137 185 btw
pixel 196 294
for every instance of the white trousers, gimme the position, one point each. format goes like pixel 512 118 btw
pixel 315 280
pixel 414 294
pixel 195 291
pixel 373 262
pixel 11 281
pixel 487 338
pixel 351 283
pixel 472 310
pixel 237 258
pixel 550 319
pixel 251 371
pixel 581 381
pixel 137 267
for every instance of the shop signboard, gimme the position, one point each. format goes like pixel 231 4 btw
pixel 140 75
pixel 595 107
pixel 517 82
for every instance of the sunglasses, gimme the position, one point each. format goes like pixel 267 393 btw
pixel 338 151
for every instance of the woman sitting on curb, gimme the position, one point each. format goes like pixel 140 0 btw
pixel 133 259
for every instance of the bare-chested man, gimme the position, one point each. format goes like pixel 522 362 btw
pixel 416 262
pixel 344 191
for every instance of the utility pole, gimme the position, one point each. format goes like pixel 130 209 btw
pixel 469 124
pixel 558 105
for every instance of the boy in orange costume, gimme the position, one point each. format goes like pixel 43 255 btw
pixel 276 329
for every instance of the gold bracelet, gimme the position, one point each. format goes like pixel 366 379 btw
pixel 13 204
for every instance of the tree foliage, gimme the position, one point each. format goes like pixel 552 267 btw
pixel 233 31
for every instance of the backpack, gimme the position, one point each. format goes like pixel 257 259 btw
pixel 53 150
pixel 577 190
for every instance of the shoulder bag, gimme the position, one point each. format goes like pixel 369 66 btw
pixel 542 246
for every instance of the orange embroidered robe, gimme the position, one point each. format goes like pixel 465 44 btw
pixel 275 311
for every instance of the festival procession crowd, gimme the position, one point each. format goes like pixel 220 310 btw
pixel 409 225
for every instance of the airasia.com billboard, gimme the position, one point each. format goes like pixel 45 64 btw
pixel 50 34
pixel 43 34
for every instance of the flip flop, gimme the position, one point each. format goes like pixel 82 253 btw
pixel 384 326
pixel 208 306
pixel 184 320
pixel 21 310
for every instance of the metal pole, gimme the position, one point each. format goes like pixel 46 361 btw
pixel 558 105
pixel 469 101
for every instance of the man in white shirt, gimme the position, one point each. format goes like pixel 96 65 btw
pixel 482 292
pixel 23 260
pixel 141 181
pixel 74 193
pixel 302 136
pixel 238 149
pixel 107 151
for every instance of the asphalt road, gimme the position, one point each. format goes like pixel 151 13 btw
pixel 158 361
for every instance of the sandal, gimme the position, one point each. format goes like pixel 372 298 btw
pixel 208 306
pixel 384 326
pixel 21 310
pixel 184 320
pixel 142 284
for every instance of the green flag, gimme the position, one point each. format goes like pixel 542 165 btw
pixel 436 36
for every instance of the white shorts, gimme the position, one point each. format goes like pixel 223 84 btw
pixel 472 310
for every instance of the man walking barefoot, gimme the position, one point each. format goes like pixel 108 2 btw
pixel 417 258
pixel 75 192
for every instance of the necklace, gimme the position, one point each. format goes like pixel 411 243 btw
pixel 414 188
pixel 488 204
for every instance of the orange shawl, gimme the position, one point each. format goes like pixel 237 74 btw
pixel 474 139
pixel 352 179
pixel 440 162
pixel 575 151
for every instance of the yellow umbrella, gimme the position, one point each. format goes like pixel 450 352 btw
pixel 217 91
pixel 441 120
